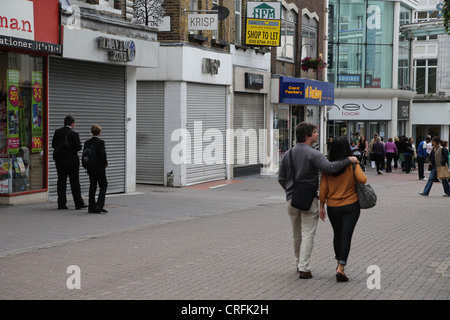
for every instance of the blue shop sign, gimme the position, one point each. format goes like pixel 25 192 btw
pixel 306 92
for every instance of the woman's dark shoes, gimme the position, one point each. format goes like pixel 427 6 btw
pixel 84 206
pixel 341 277
pixel 305 275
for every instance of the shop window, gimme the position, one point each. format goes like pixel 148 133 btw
pixel 21 123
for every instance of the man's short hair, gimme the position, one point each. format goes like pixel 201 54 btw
pixel 303 130
pixel 96 129
pixel 437 140
pixel 69 120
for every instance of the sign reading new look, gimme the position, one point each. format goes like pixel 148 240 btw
pixel 304 92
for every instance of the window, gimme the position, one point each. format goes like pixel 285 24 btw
pixel 310 29
pixel 286 50
pixel 238 21
pixel 425 76
pixel 21 123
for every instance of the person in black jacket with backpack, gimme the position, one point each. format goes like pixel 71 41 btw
pixel 95 161
pixel 66 144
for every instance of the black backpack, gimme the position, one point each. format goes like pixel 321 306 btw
pixel 62 148
pixel 88 156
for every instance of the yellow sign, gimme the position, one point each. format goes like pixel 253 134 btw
pixel 263 32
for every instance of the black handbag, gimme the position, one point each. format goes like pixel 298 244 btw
pixel 366 195
pixel 303 194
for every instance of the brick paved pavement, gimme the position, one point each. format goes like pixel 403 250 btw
pixel 231 242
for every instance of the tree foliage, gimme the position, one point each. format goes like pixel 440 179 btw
pixel 446 15
pixel 148 12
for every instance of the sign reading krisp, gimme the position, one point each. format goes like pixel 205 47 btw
pixel 203 21
pixel 263 24
pixel 303 91
pixel 118 50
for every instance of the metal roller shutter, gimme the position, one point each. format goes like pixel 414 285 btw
pixel 248 115
pixel 150 133
pixel 205 103
pixel 94 94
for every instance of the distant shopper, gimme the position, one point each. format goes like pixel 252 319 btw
pixel 438 157
pixel 96 170
pixel 408 155
pixel 66 144
pixel 363 147
pixel 338 191
pixel 378 153
pixel 391 151
pixel 422 156
pixel 306 163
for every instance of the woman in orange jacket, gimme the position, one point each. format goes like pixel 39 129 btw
pixel 338 191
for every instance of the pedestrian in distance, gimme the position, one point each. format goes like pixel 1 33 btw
pixel 422 156
pixel 338 192
pixel 306 163
pixel 438 157
pixel 95 161
pixel 408 155
pixel 391 151
pixel 379 154
pixel 363 147
pixel 397 157
pixel 66 144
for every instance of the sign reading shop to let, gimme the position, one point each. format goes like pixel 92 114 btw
pixel 263 24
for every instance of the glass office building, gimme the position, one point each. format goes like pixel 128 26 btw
pixel 369 62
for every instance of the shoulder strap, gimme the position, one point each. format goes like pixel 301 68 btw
pixel 291 159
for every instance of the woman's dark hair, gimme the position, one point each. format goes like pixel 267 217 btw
pixel 303 130
pixel 340 149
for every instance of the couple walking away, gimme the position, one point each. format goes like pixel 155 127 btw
pixel 337 190
pixel 66 144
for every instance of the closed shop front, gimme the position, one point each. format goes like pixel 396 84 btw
pixel 150 132
pixel 249 117
pixel 94 93
pixel 206 122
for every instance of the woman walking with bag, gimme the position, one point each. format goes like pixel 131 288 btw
pixel 438 158
pixel 338 191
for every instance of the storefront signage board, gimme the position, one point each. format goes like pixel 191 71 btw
pixel 361 109
pixel 305 92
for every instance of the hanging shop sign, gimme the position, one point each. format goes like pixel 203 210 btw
pixel 305 92
pixel 198 21
pixel 263 24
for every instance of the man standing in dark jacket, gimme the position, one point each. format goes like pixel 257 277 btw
pixel 97 170
pixel 66 144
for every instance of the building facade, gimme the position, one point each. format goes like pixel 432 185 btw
pixel 431 78
pixel 369 63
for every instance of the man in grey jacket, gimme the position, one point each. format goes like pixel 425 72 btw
pixel 307 163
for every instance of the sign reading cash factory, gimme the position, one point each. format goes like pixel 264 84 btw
pixel 263 24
